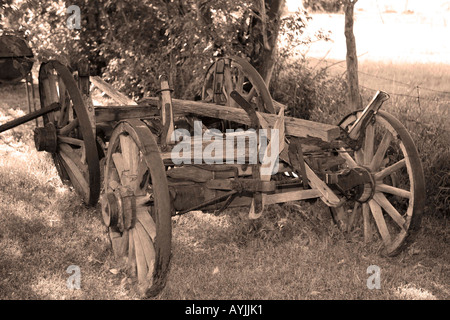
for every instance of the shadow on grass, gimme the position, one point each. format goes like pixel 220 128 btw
pixel 44 230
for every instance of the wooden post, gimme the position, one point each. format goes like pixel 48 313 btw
pixel 352 59
pixel 166 111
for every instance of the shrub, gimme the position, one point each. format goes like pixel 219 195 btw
pixel 308 93
pixel 331 6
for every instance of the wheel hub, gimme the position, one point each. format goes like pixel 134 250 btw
pixel 119 209
pixel 45 138
pixel 356 183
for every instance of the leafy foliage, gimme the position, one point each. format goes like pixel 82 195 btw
pixel 331 6
pixel 43 24
pixel 131 43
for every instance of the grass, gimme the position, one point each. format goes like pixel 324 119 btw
pixel 293 252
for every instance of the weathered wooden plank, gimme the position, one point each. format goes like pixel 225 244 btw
pixel 294 126
pixel 328 195
pixel 281 197
pixel 111 91
pixel 117 113
pixel 230 148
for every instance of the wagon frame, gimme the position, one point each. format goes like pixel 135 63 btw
pixel 366 168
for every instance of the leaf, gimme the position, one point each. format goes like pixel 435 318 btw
pixel 216 270
pixel 114 271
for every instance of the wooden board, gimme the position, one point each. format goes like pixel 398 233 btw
pixel 117 113
pixel 294 126
pixel 111 91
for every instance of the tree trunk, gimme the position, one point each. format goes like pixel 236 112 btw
pixel 264 60
pixel 352 59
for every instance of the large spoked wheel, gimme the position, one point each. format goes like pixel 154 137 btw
pixel 235 73
pixel 395 198
pixel 67 133
pixel 136 206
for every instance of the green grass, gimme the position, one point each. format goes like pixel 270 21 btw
pixel 293 252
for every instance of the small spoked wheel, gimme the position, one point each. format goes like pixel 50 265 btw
pixel 67 133
pixel 136 206
pixel 394 199
pixel 235 73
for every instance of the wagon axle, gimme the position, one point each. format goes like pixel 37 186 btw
pixel 355 184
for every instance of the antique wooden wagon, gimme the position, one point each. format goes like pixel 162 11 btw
pixel 365 169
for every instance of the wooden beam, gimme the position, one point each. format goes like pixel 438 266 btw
pixel 111 91
pixel 117 113
pixel 280 197
pixel 294 126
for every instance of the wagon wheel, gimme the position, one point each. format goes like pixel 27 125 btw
pixel 67 133
pixel 136 205
pixel 235 73
pixel 395 200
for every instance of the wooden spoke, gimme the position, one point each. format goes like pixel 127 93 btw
pixel 83 154
pixel 377 214
pixel 69 127
pixel 228 87
pixel 393 190
pixel 72 141
pixel 141 181
pixel 369 141
pixel 119 242
pixel 118 163
pixel 141 264
pixel 75 173
pixel 131 259
pixel 130 154
pixel 147 222
pixel 76 159
pixel 355 213
pixel 348 158
pixel 240 82
pixel 64 102
pixel 389 208
pixel 390 170
pixel 381 151
pixel 148 250
pixel 366 221
pixel 359 157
